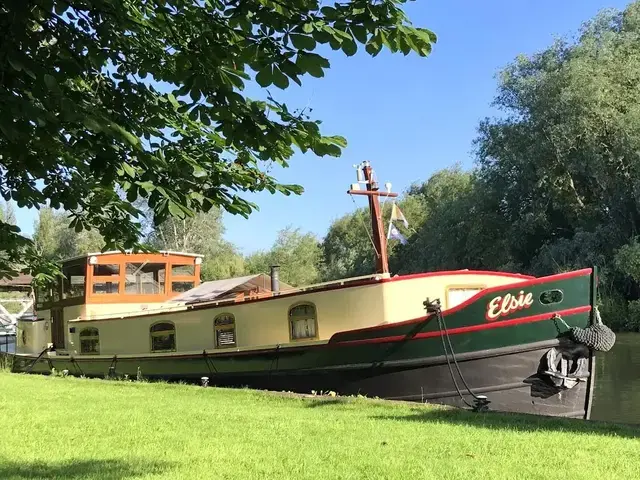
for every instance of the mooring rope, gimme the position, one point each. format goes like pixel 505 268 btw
pixel 37 358
pixel 442 326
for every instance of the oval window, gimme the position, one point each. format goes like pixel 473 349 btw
pixel 551 296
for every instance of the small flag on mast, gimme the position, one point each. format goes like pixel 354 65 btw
pixel 396 214
pixel 395 234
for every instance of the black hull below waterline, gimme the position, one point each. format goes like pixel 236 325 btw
pixel 512 379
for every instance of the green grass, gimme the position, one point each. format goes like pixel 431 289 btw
pixel 72 428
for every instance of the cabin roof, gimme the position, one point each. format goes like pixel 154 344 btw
pixel 21 280
pixel 214 289
pixel 130 252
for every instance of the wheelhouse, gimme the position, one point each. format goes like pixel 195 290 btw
pixel 121 278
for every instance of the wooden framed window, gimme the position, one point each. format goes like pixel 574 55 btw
pixel 303 321
pixel 144 278
pixel 183 270
pixel 163 337
pixel 90 341
pixel 106 270
pixel 224 326
pixel 73 283
pixel 179 287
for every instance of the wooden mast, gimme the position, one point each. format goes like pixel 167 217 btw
pixel 373 192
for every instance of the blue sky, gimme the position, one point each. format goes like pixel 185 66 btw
pixel 409 116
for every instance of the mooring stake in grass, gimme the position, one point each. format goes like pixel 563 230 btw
pixel 160 430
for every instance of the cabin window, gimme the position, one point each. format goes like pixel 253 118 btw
pixel 44 294
pixel 163 337
pixel 179 287
pixel 73 283
pixel 182 270
pixel 106 270
pixel 89 341
pixel 105 288
pixel 303 321
pixel 458 295
pixel 225 330
pixel 145 278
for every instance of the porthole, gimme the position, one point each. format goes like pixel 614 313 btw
pixel 549 297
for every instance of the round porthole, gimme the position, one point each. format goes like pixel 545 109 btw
pixel 550 297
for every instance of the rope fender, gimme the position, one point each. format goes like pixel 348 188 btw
pixel 596 336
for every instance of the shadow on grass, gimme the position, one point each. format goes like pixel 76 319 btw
pixel 516 422
pixel 80 469
pixel 324 402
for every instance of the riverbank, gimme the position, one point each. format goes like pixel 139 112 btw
pixel 81 429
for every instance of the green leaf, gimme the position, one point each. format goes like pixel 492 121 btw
pixel 360 33
pixel 51 83
pixel 280 79
pixel 127 136
pixel 310 66
pixel 349 47
pixel 292 70
pixel 265 76
pixel 329 12
pixel 307 28
pixel 129 170
pixel 147 186
pixel 92 124
pixel 321 36
pixel 337 140
pixel 373 47
pixel 15 64
pixel 173 100
pixel 303 42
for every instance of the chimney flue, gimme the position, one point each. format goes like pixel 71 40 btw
pixel 275 278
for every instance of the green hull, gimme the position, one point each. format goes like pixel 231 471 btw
pixel 411 360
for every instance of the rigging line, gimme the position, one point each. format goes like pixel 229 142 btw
pixel 365 227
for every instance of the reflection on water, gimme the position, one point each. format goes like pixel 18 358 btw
pixel 617 393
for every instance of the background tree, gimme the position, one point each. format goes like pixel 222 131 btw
pixel 55 241
pixel 563 164
pixel 298 254
pixel 203 234
pixel 146 97
pixel 347 247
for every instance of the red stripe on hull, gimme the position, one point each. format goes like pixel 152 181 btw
pixel 468 329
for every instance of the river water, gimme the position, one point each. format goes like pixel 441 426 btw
pixel 617 393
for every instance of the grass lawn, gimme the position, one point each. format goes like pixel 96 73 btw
pixel 69 428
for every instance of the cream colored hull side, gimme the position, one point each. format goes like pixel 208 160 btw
pixel 262 324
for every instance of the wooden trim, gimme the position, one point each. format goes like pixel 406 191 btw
pixel 168 260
